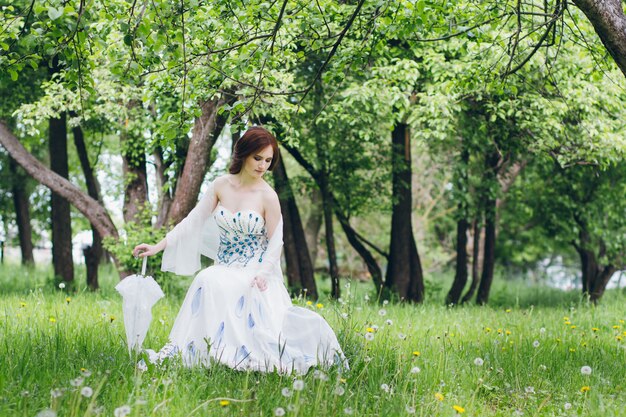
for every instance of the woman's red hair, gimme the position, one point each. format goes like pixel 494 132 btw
pixel 255 139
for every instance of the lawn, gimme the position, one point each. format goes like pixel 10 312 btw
pixel 65 354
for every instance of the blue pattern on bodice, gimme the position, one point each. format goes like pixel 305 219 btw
pixel 242 237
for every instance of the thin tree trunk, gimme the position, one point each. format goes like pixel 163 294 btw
pixel 60 219
pixel 314 223
pixel 601 280
pixel 299 267
pixel 404 271
pixel 476 258
pixel 482 297
pixel 333 268
pixel 93 254
pixel 164 192
pixel 22 214
pixel 135 178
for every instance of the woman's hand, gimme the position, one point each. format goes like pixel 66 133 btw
pixel 143 249
pixel 260 283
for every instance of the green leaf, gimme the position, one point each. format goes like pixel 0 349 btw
pixel 13 74
pixel 54 14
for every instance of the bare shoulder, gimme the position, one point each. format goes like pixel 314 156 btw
pixel 270 198
pixel 220 182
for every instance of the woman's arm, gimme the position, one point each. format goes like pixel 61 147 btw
pixel 272 221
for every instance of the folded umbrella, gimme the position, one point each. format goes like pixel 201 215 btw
pixel 139 293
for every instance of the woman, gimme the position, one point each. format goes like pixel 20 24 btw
pixel 238 311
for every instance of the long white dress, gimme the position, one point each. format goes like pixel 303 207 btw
pixel 223 317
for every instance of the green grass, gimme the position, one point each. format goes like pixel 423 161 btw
pixel 46 339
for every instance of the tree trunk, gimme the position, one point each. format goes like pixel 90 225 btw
pixel 601 279
pixel 609 22
pixel 203 137
pixel 163 191
pixel 60 219
pixel 404 270
pixel 476 261
pixel 22 213
pixel 333 268
pixel 594 276
pixel 89 207
pixel 93 254
pixel 135 178
pixel 299 267
pixel 314 223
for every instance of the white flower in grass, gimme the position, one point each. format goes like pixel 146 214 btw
pixel 543 368
pixel 401 336
pixel 86 392
pixel 542 330
pixel 367 359
pixel 291 407
pixel 85 372
pixel 347 410
pixel 479 362
pixel 369 336
pixel 385 302
pixel 77 382
pixel 388 322
pixel 415 370
pixel 279 411
pixel 286 392
pixel 385 387
pixel 410 409
pixel 536 343
pixel 122 411
pixel 56 393
pixel 366 297
pixel 585 370
pixel 375 327
pixel 382 312
pixel 98 410
pixel 340 390
pixel 529 390
pixel 344 315
pixel 298 385
pixel 46 413
pixel 567 406
pixel 62 285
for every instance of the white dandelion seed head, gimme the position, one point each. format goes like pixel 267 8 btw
pixel 401 336
pixel 56 393
pixel 366 297
pixel 529 390
pixel 122 411
pixel 141 401
pixel 388 322
pixel 98 410
pixel 279 411
pixel 46 413
pixel 298 385
pixel 348 411
pixel 410 409
pixel 479 362
pixel 344 315
pixel 567 406
pixel 286 392
pixel 85 372
pixel 339 391
pixel 385 302
pixel 585 370
pixel 382 312
pixel 384 387
pixel 536 343
pixel 375 327
pixel 77 382
pixel 369 336
pixel 542 330
pixel 291 407
pixel 543 368
pixel 86 392
pixel 415 370
pixel 62 285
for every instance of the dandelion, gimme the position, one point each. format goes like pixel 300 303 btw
pixel 22 304
pixel 382 312
pixel 339 390
pixel 320 375
pixel 62 285
pixel 77 382
pixel 279 411
pixel 536 344
pixel 410 409
pixel 344 315
pixel 370 330
pixel 366 297
pixel 543 367
pixel 572 327
pixel 319 305
pixel 388 322
pixel 415 370
pixel 52 319
pixel 68 300
pixel 487 329
pixel 224 403
pixel 86 392
pixel 46 413
pixel 542 330
pixel 56 393
pixel 508 332
pixel 616 327
pixel 298 385
pixel 85 372
pixel 585 370
pixel 572 350
pixel 416 353
pixel 122 411
pixel 286 392
pixel 479 362
pixel 369 337
pixel 347 410
pixel 439 396
pixel 567 406
pixel 567 323
pixel 384 387
pixel 585 388
pixel 458 409
pixel 529 390
pixel 385 302
pixel 508 310
pixel 593 329
pixel 111 319
pixel 343 380
pixel 401 336
pixel 309 303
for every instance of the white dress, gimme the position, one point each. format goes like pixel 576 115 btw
pixel 223 317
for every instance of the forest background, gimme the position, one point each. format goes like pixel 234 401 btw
pixel 474 138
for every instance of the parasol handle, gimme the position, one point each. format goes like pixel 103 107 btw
pixel 143 266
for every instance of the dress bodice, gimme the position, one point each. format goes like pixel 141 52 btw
pixel 242 237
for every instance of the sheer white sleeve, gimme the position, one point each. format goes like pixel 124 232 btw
pixel 270 265
pixel 196 234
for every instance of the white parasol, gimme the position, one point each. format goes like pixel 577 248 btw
pixel 139 293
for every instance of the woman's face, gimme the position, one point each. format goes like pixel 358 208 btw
pixel 258 163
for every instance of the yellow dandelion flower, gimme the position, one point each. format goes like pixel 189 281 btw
pixel 624 333
pixel 68 300
pixel 22 304
pixel 416 353
pixel 508 310
pixel 343 380
pixel 566 318
pixel 370 330
pixel 584 344
pixel 617 327
pixel 621 321
pixel 112 318
pixel 439 396
pixel 595 329
pixel 585 388
pixel 451 334
pixel 52 320
pixel 572 327
pixel 558 340
pixel 568 322
pixel 499 331
pixel 572 350
pixel 309 303
pixel 224 403
pixel 508 332
pixel 319 305
pixel 618 338
pixel 458 409
pixel 487 329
